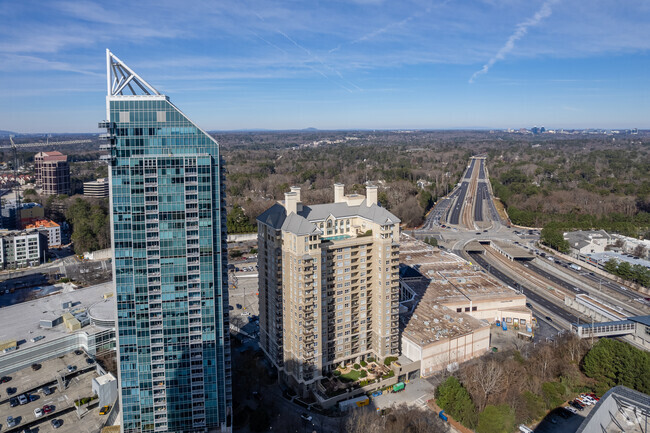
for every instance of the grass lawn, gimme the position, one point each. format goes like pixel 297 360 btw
pixel 351 376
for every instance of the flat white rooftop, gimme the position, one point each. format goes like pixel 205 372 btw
pixel 20 322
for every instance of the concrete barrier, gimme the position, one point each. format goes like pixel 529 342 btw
pixel 242 237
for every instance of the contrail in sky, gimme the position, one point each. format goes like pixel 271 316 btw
pixel 521 30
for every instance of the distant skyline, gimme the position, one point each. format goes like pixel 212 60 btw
pixel 357 64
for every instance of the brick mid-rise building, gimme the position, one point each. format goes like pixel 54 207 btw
pixel 52 172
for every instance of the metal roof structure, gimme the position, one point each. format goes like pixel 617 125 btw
pixel 120 78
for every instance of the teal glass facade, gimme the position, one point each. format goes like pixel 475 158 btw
pixel 169 239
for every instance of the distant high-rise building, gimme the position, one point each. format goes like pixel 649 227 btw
pixel 52 172
pixel 328 284
pixel 96 188
pixel 170 262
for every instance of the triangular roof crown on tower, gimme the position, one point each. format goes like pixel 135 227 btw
pixel 121 78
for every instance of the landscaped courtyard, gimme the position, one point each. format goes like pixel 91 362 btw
pixel 357 375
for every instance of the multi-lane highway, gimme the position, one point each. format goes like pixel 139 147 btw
pixel 482 193
pixel 470 169
pixel 554 278
pixel 454 218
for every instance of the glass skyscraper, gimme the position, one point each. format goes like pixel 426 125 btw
pixel 170 261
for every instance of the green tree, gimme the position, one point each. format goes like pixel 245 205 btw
pixel 613 362
pixel 611 266
pixel 454 398
pixel 90 225
pixel 553 393
pixel 237 222
pixel 534 407
pixel 554 238
pixel 496 419
pixel 425 199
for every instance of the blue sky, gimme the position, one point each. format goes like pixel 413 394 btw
pixel 381 64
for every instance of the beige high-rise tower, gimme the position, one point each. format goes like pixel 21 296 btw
pixel 328 283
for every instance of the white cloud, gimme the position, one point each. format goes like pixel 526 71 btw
pixel 520 31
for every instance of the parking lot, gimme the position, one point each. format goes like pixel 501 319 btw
pixel 555 423
pixel 30 381
pixel 243 294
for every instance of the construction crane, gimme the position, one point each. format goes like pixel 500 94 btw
pixel 54 143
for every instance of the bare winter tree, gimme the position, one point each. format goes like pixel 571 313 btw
pixel 483 379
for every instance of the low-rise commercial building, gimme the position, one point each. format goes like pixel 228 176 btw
pixel 447 307
pixel 96 188
pixel 22 248
pixel 588 241
pixel 51 229
pixel 44 317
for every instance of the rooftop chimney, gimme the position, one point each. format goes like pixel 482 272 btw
pixel 296 189
pixel 371 195
pixel 290 202
pixel 338 192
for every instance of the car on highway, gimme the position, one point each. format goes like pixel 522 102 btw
pixel 56 423
pixel 548 318
pixel 38 412
pixel 529 305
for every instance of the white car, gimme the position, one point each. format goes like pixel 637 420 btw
pixel 38 412
pixel 571 409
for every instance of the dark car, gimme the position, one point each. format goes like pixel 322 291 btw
pixel 11 391
pixel 577 405
pixel 548 318
pixel 90 361
pixel 78 352
pixel 56 423
pixel 5 379
pixel 238 306
pixel 36 366
pixel 13 402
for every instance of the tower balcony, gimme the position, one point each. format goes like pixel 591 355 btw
pixel 105 124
